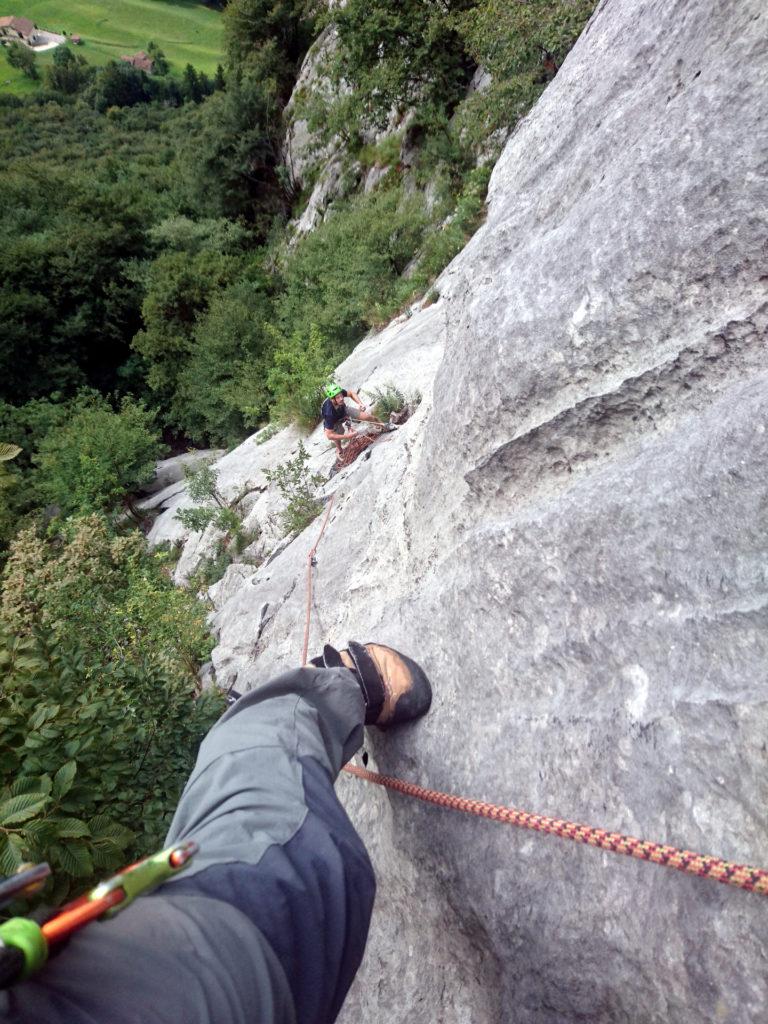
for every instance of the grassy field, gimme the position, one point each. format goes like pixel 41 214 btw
pixel 188 32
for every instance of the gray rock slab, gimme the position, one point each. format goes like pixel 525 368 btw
pixel 570 534
pixel 170 471
pixel 160 498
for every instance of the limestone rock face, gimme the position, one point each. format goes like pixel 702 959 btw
pixel 570 535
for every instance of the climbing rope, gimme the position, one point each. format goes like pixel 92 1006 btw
pixel 740 875
pixel 356 446
pixel 310 565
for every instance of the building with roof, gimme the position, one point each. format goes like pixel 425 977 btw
pixel 141 60
pixel 18 30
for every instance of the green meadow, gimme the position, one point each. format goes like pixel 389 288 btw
pixel 186 30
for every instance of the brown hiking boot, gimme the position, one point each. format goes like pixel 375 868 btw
pixel 395 688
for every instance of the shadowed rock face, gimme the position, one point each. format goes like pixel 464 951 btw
pixel 571 536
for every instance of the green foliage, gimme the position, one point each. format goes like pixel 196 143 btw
pixel 298 488
pixel 396 54
pixel 389 398
pixel 125 606
pixel 250 26
pixel 226 516
pixel 343 274
pixel 381 154
pixel 179 286
pixel 98 723
pixel 233 156
pixel 521 45
pixel 301 365
pixel 20 56
pixel 447 241
pixel 80 192
pixel 69 73
pixel 35 826
pixel 161 65
pixel 98 760
pixel 99 454
pixel 119 85
pixel 267 433
pixel 222 388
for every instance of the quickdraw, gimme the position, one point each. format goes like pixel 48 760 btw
pixel 25 944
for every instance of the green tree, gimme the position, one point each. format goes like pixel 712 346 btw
pixel 161 65
pixel 212 508
pixel 179 286
pixel 119 85
pixel 127 609
pixel 233 159
pixel 344 276
pixel 301 364
pixel 283 25
pixel 23 59
pixel 222 388
pixel 191 87
pixel 522 46
pixel 69 72
pixel 298 488
pixel 91 461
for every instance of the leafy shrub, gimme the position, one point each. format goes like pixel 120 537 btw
pixel 267 433
pixel 389 399
pixel 222 388
pixel 340 275
pixel 211 569
pixel 22 58
pixel 126 608
pixel 98 722
pixel 448 241
pixel 98 758
pixel 298 487
pixel 227 516
pixel 397 53
pixel 381 154
pixel 69 73
pixel 302 363
pixel 521 45
pixel 89 462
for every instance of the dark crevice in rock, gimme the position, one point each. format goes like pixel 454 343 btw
pixel 553 454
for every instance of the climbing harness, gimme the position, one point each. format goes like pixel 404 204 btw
pixel 25 944
pixel 742 876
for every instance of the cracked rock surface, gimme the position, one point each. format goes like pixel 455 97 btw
pixel 570 535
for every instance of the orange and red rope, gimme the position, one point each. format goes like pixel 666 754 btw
pixel 740 875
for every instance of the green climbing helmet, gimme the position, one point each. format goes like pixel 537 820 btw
pixel 331 390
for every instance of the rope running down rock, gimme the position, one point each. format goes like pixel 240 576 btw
pixel 740 875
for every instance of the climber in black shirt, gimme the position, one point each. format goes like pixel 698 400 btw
pixel 337 414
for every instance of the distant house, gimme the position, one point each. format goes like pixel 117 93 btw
pixel 18 29
pixel 76 40
pixel 142 61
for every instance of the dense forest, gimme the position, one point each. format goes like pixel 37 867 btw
pixel 154 291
